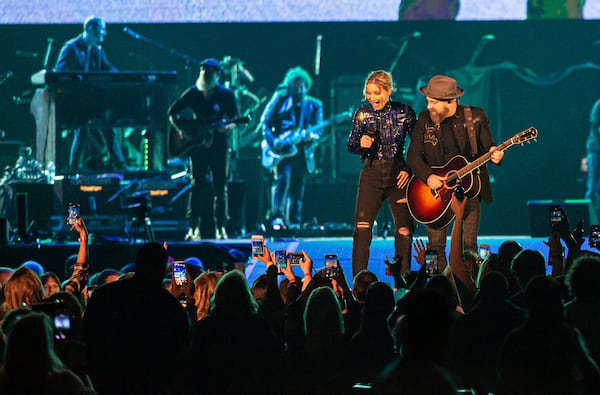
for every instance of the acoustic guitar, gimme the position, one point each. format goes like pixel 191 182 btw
pixel 195 133
pixel 432 207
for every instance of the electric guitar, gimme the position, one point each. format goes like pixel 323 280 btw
pixel 288 140
pixel 432 207
pixel 195 133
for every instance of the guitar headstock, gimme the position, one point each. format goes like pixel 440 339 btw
pixel 526 135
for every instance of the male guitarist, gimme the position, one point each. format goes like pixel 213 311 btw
pixel 285 120
pixel 206 103
pixel 445 130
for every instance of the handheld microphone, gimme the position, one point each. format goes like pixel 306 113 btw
pixel 367 152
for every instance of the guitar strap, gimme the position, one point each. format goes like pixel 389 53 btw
pixel 471 130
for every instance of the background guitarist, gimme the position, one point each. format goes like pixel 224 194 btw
pixel 441 133
pixel 291 109
pixel 207 102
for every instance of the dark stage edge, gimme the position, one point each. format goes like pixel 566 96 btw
pixel 117 254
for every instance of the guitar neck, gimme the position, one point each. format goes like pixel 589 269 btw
pixel 483 159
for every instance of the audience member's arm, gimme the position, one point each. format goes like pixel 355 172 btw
pixel 421 278
pixel 573 241
pixel 457 262
pixel 79 277
pixel 395 268
pixel 306 264
pixel 555 254
pixel 272 299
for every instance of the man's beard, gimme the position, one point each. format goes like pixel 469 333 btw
pixel 437 117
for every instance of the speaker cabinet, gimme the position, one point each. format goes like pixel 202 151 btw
pixel 346 93
pixel 539 214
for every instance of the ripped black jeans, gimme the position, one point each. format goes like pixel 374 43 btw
pixel 376 184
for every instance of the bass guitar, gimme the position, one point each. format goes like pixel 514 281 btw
pixel 195 133
pixel 288 141
pixel 432 207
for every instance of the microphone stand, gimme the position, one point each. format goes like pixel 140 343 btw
pixel 171 51
pixel 477 52
pixel 398 56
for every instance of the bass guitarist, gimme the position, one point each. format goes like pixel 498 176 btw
pixel 445 130
pixel 285 120
pixel 206 103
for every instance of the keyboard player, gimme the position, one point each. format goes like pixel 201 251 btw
pixel 85 53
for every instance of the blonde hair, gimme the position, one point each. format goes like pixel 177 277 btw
pixel 22 289
pixel 381 78
pixel 204 288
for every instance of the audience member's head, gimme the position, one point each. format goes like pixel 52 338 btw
pixel 506 253
pixel 361 282
pixel 232 298
pixel 11 318
pixel 425 330
pixel 194 261
pixel 490 264
pixel 34 266
pixel 204 289
pixel 151 263
pixel 22 289
pixel 5 273
pixel 493 287
pixel 527 265
pixel 107 276
pixel 442 285
pixel 284 286
pixel 29 351
pixel 259 287
pixel 51 282
pixel 69 265
pixel 583 279
pixel 544 301
pixel 323 316
pixel 193 270
pixel 379 304
pixel 67 303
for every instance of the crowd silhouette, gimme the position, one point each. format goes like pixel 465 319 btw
pixel 499 325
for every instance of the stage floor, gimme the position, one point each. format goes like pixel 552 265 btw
pixel 116 254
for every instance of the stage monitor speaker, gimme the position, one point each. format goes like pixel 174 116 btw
pixel 539 213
